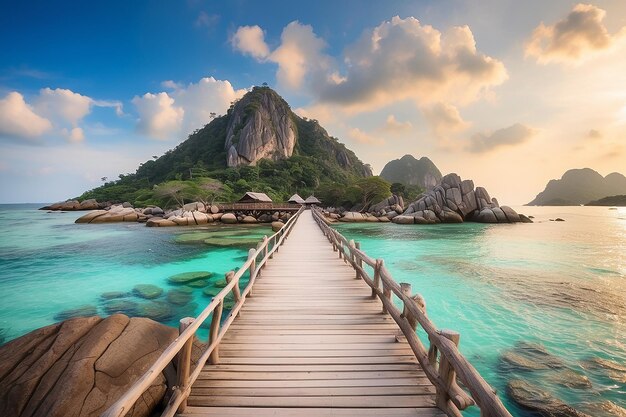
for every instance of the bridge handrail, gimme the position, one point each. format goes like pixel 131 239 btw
pixel 443 363
pixel 258 206
pixel 183 343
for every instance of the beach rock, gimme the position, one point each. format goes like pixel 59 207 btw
pixel 533 398
pixel 159 222
pixel 217 216
pixel 403 220
pixel 82 311
pixel 265 218
pixel 81 366
pixel 352 217
pixel 511 215
pixel 486 215
pixel 570 379
pixel 112 294
pixel 214 209
pixel 276 226
pixel 187 277
pixel 558 219
pixel 90 204
pixel 249 220
pixel 154 210
pixel 114 214
pixel 450 216
pixel 229 218
pixel 87 218
pixel 525 219
pixel 126 204
pixel 383 219
pixel 500 216
pixel 122 306
pixel 179 297
pixel 147 291
pixel 196 206
pixel 155 310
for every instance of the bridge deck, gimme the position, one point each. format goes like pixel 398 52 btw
pixel 311 342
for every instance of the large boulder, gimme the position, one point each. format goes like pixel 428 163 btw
pixel 228 218
pixel 535 399
pixel 81 366
pixel 113 215
pixel 90 204
pixel 352 217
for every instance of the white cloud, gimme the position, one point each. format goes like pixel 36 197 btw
pixel 75 135
pixel 444 118
pixel 18 119
pixel 158 117
pixel 508 136
pixel 300 54
pixel 63 105
pixel 363 137
pixel 580 34
pixel 393 125
pixel 250 40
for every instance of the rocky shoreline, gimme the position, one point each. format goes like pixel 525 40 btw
pixel 452 201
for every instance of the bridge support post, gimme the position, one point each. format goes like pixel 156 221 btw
pixel 184 362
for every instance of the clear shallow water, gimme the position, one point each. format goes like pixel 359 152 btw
pixel 49 264
pixel 558 284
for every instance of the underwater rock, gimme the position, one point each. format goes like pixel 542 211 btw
pixel 82 311
pixel 155 310
pixel 605 409
pixel 220 283
pixel 126 307
pixel 533 398
pixel 110 295
pixel 81 366
pixel 147 291
pixel 612 370
pixel 228 242
pixel 201 283
pixel 527 356
pixel 570 379
pixel 187 277
pixel 211 291
pixel 179 297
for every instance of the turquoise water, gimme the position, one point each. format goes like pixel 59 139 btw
pixel 48 265
pixel 558 284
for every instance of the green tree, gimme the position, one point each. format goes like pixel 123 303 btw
pixel 371 190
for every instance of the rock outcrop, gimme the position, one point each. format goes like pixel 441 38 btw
pixel 391 206
pixel 260 127
pixel 75 205
pixel 410 171
pixel 455 200
pixel 533 398
pixel 81 366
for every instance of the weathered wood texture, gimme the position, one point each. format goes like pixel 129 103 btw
pixel 312 342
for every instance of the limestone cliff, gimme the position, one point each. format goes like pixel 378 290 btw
pixel 260 126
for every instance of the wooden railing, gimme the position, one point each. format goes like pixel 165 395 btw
pixel 258 206
pixel 442 362
pixel 182 345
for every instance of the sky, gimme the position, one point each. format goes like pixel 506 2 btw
pixel 510 94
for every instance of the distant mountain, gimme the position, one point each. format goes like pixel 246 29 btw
pixel 580 186
pixel 614 200
pixel 410 171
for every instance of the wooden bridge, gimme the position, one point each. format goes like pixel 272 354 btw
pixel 316 332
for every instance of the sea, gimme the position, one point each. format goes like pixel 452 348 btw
pixel 542 304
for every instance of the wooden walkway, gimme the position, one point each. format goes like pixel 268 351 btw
pixel 311 341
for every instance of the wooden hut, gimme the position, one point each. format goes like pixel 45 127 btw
pixel 251 197
pixel 312 201
pixel 296 199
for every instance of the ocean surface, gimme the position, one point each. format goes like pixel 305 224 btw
pixel 543 303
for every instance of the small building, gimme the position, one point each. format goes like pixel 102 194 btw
pixel 312 201
pixel 251 197
pixel 296 199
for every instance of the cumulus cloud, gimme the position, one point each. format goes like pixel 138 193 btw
pixel 572 39
pixel 62 104
pixel 75 135
pixel 444 118
pixel 158 117
pixel 250 40
pixel 508 136
pixel 184 108
pixel 398 60
pixel 362 137
pixel 393 125
pixel 19 119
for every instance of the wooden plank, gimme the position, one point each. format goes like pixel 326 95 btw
pixel 310 391
pixel 319 360
pixel 310 412
pixel 364 400
pixel 413 381
pixel 313 368
pixel 226 346
pixel 269 376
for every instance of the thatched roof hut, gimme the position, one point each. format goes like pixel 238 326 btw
pixel 311 200
pixel 251 197
pixel 296 199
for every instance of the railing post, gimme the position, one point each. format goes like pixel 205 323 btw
pixel 184 362
pixel 273 244
pixel 377 268
pixel 214 358
pixel 359 260
pixel 252 255
pixel 236 292
pixel 265 245
pixel 406 313
pixel 446 372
